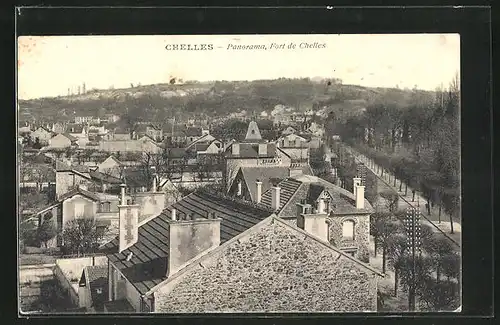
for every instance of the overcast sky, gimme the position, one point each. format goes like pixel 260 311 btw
pixel 48 66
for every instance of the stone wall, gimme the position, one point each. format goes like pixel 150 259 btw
pixel 361 234
pixel 276 268
pixel 65 180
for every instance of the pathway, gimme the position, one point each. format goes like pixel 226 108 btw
pixel 439 225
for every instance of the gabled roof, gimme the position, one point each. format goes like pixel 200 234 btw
pixel 79 191
pixel 206 259
pixel 148 265
pixel 103 177
pixel 265 175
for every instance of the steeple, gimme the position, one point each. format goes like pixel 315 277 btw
pixel 253 132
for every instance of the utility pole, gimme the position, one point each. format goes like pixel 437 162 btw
pixel 414 241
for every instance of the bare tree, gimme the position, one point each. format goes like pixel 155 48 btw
pixel 82 235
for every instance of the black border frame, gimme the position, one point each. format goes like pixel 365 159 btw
pixel 474 26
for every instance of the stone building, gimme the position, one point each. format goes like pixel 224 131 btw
pixel 345 215
pixel 212 253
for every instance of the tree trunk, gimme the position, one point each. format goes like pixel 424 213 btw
pixel 451 224
pixel 413 198
pixel 400 186
pixel 395 180
pixel 428 208
pixel 406 189
pixel 396 279
pixel 439 214
pixel 375 244
pixel 383 258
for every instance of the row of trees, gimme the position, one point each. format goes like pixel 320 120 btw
pixel 437 271
pixel 418 141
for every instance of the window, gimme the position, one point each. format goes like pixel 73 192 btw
pixel 98 291
pixel 79 209
pixel 348 229
pixel 105 207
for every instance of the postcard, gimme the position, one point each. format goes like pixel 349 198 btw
pixel 177 174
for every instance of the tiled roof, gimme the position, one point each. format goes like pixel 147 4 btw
pixel 79 191
pixel 148 265
pixel 96 273
pixel 264 174
pixel 288 188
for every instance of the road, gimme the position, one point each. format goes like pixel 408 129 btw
pixel 440 225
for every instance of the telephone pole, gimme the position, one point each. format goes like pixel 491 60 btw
pixel 414 241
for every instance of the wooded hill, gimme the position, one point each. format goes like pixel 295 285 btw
pixel 218 98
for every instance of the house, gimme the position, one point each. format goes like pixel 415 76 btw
pixel 58 127
pixel 120 133
pixel 348 214
pixel 76 130
pixel 289 130
pixel 111 166
pixel 291 140
pixel 193 133
pixel 62 141
pixel 154 132
pixel 42 134
pixel 83 119
pixel 93 288
pixel 211 253
pixel 206 139
pixel 144 144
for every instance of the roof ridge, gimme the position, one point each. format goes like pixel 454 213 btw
pixel 253 205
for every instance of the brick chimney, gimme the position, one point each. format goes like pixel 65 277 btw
pixel 190 235
pixel 235 149
pixel 262 149
pixel 315 224
pixel 275 197
pixel 128 223
pixel 258 198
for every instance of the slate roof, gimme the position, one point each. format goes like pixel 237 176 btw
pixel 201 146
pixel 251 150
pixel 343 200
pixel 148 265
pixel 288 188
pixel 264 174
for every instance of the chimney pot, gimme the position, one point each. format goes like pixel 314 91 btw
pixel 275 203
pixel 173 214
pixel 360 197
pixel 259 191
pixel 235 149
pixel 122 200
